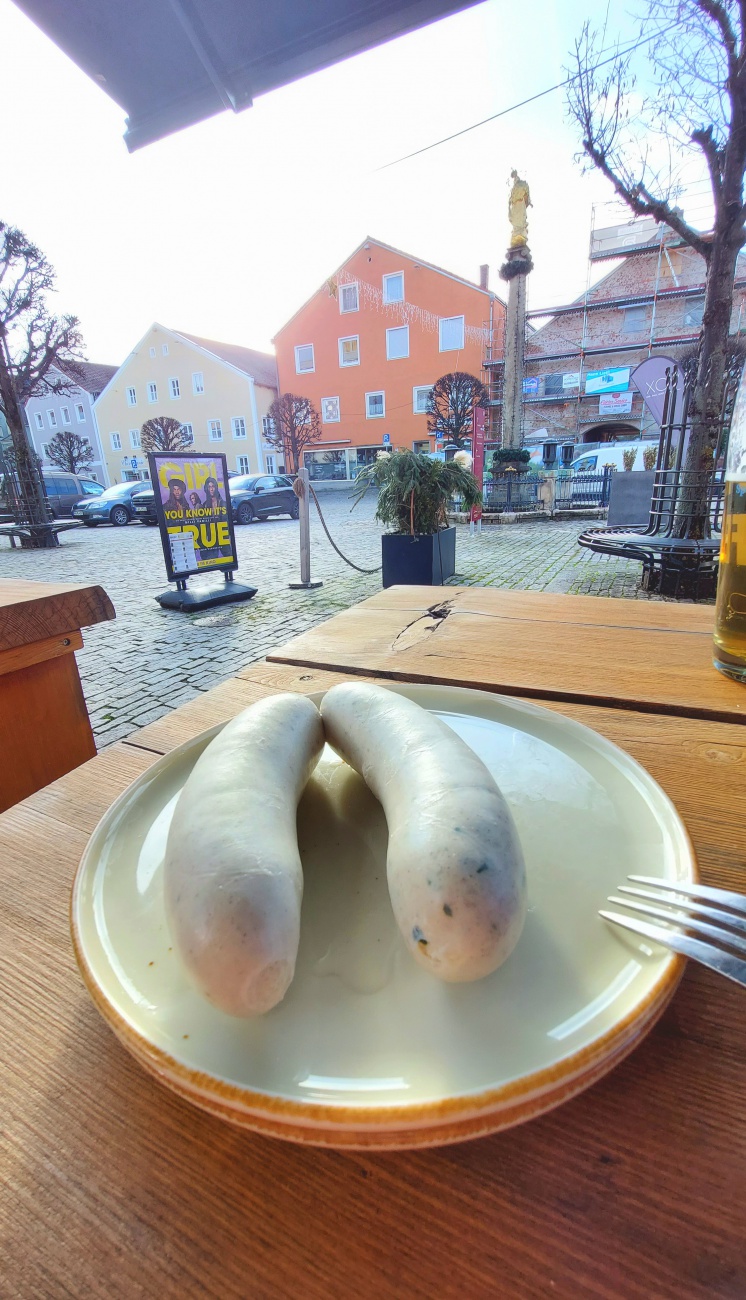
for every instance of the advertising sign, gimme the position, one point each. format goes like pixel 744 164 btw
pixel 649 378
pixel 571 380
pixel 615 404
pixel 607 381
pixel 477 443
pixel 530 387
pixel 193 505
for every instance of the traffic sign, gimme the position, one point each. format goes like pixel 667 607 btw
pixel 386 439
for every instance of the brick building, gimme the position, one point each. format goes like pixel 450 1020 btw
pixel 579 359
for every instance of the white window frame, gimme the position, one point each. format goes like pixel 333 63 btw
pixel 65 414
pixel 164 349
pixel 351 284
pixel 188 428
pixel 174 388
pixel 39 419
pixel 152 391
pixel 135 442
pixel 349 338
pixel 270 459
pixel 330 419
pixel 243 465
pixel 379 415
pixel 639 312
pixel 198 383
pixel 80 412
pixel 52 419
pixel 238 420
pixel 45 450
pixel 214 431
pixel 393 275
pixel 304 370
pixel 447 320
pixel 152 352
pixel 420 388
pixel 396 329
pixel 268 426
pixel 116 441
pixel 132 397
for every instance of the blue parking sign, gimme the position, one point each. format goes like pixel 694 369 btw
pixel 386 439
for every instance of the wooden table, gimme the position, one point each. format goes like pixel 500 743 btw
pixel 44 726
pixel 114 1187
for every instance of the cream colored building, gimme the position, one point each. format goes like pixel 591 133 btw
pixel 221 392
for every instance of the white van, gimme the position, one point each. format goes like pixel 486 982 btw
pixel 612 453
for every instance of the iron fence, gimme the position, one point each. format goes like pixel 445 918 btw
pixel 583 491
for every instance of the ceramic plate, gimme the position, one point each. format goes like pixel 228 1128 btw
pixel 367 1048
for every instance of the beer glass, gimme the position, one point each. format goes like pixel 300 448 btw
pixel 730 609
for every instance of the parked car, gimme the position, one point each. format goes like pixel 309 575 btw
pixel 64 490
pixel 114 506
pixel 253 496
pixel 610 453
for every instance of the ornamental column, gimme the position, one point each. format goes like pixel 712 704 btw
pixel 515 268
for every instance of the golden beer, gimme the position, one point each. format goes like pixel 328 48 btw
pixel 730 610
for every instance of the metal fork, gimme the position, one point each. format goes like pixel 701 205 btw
pixel 725 922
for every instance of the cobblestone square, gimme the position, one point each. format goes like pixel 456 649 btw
pixel 150 660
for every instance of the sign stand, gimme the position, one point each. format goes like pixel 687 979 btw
pixel 196 527
pixel 300 487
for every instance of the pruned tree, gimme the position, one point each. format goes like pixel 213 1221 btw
pixel 33 343
pixel 451 404
pixel 294 424
pixel 69 451
pixel 696 73
pixel 163 433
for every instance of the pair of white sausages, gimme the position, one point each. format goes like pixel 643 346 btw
pixel 233 876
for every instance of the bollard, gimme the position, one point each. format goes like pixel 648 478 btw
pixel 300 488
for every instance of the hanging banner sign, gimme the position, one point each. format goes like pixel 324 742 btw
pixel 477 443
pixel 607 381
pixel 571 380
pixel 615 404
pixel 651 378
pixel 193 505
pixel 530 387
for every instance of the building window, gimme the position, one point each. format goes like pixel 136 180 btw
pixel 634 320
pixel 39 420
pixel 45 449
pixel 198 383
pixel 304 358
pixel 554 385
pixel 242 465
pixel 65 413
pixel 131 397
pixel 79 411
pixel 267 426
pixel 152 392
pixel 420 398
pixel 397 343
pixel 451 333
pixel 375 405
pixel 330 410
pixel 188 431
pixel 173 388
pixel 393 287
pixel 215 430
pixel 693 312
pixel 164 349
pixel 152 352
pixel 135 443
pixel 348 298
pixel 349 351
pixel 238 424
pixel 52 419
pixel 116 442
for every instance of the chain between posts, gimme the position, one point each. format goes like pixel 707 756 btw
pixel 298 489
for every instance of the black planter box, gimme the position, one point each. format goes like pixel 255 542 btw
pixel 424 560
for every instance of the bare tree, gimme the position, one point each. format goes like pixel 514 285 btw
pixel 69 451
pixel 451 405
pixel 697 72
pixel 163 433
pixel 32 343
pixel 294 424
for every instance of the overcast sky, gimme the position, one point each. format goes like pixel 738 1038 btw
pixel 226 228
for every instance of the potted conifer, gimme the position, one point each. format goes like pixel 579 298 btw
pixel 413 495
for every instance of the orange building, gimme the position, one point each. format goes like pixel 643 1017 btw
pixel 369 345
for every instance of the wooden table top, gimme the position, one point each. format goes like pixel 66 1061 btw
pixel 35 611
pixel 114 1186
pixel 648 655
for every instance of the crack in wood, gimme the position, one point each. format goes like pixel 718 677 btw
pixel 423 626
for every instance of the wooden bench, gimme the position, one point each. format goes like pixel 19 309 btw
pixel 12 531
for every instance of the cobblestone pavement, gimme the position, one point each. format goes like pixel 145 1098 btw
pixel 150 660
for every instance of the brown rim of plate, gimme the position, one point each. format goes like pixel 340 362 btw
pixel 415 1123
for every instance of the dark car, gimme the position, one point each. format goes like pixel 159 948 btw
pixel 253 496
pixel 114 506
pixel 64 490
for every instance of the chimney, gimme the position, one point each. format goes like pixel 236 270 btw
pixel 484 276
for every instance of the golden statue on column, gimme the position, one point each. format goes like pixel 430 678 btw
pixel 518 203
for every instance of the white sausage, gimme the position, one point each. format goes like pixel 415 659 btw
pixel 233 875
pixel 455 868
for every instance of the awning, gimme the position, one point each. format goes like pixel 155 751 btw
pixel 170 63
